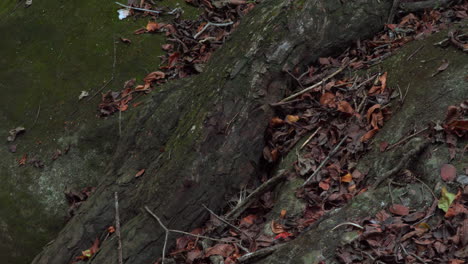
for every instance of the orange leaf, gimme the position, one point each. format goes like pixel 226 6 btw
pixel 327 99
pixel 345 107
pixel 23 160
pixel 347 178
pixel 292 118
pixel 139 173
pixel 370 134
pixel 282 214
pixel 283 235
pixel 111 229
pixel 152 26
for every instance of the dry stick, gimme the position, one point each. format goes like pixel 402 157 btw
pixel 139 9
pixel 167 231
pixel 414 53
pixel 37 115
pixel 113 73
pixel 212 24
pixel 117 227
pixel 317 84
pixel 325 161
pixel 251 257
pixel 310 138
pixel 405 139
pixel 255 194
pixel 231 225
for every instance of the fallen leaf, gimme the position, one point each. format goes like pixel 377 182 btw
pixel 371 110
pixel 224 250
pixel 111 229
pixel 446 199
pixel 167 47
pixel 23 160
pixel 399 209
pixel 442 67
pixel 139 173
pixel 152 26
pixel 276 121
pixel 292 118
pixel 282 214
pixel 283 235
pixel 276 227
pixel 125 40
pixel 448 172
pixel 370 134
pixel 156 75
pixel 347 178
pixel 345 107
pixel 327 99
pixel 88 253
pixel 139 31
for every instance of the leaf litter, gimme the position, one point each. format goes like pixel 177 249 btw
pixel 354 108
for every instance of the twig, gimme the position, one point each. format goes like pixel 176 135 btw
pixel 167 230
pixel 319 83
pixel 229 224
pixel 310 138
pixel 117 227
pixel 348 223
pixel 112 76
pixel 295 78
pixel 405 139
pixel 37 115
pixel 139 9
pixel 283 103
pixel 250 257
pixel 120 123
pixel 430 190
pixel 325 161
pixel 256 193
pixel 414 53
pixel 212 24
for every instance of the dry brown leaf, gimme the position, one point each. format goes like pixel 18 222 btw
pixel 224 250
pixel 399 209
pixel 327 99
pixel 370 134
pixel 276 121
pixel 152 26
pixel 371 110
pixel 276 228
pixel 345 107
pixel 156 75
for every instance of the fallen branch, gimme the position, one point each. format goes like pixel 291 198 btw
pixel 325 161
pixel 311 136
pixel 251 257
pixel 401 141
pixel 212 24
pixel 117 227
pixel 319 83
pixel 266 186
pixel 167 231
pixel 139 9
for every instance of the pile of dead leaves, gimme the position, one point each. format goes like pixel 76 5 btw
pixel 190 45
pixel 398 235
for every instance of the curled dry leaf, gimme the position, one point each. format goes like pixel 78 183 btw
pixel 125 40
pixel 448 172
pixel 442 67
pixel 371 110
pixel 399 209
pixel 156 75
pixel 224 250
pixel 345 107
pixel 276 227
pixel 276 121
